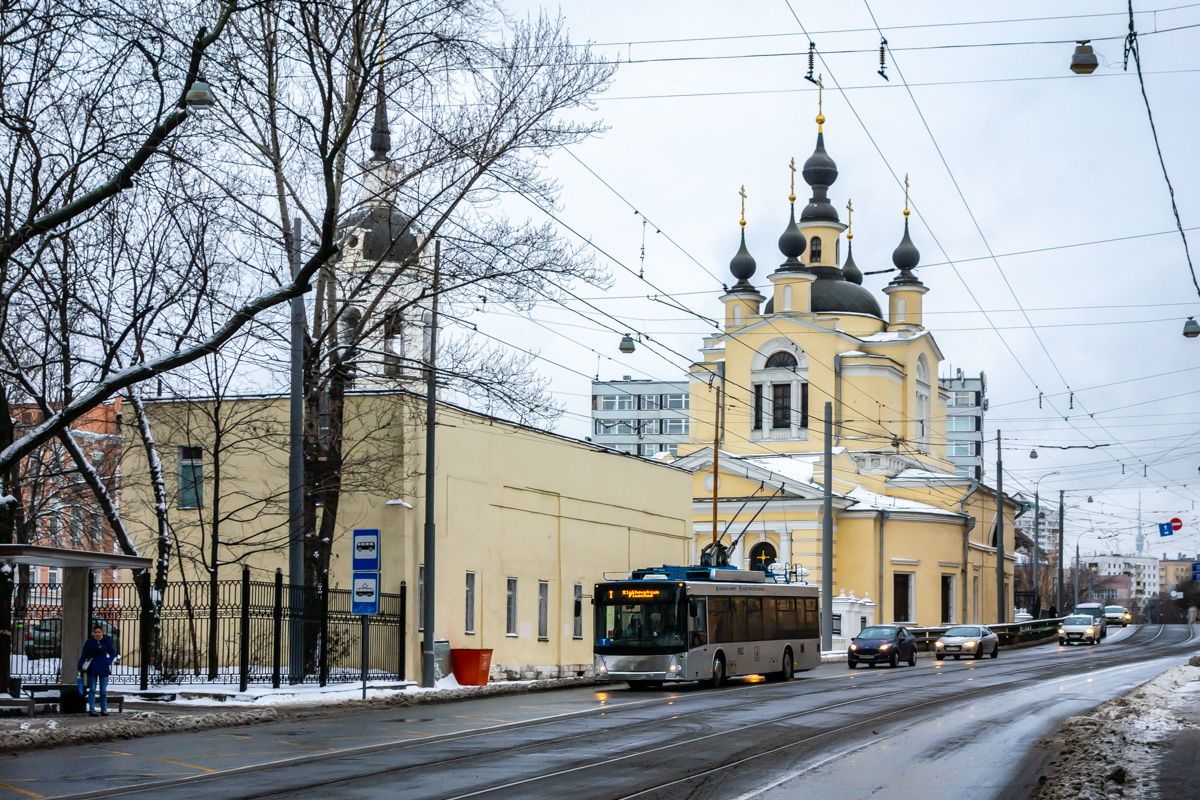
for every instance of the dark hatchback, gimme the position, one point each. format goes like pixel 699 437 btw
pixel 882 644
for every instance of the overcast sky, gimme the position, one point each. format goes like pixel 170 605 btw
pixel 1045 160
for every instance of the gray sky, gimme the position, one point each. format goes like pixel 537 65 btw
pixel 1044 159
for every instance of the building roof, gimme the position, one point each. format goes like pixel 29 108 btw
pixel 39 556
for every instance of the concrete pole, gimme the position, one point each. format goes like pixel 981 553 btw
pixel 1061 553
pixel 827 539
pixel 1001 602
pixel 1037 532
pixel 296 478
pixel 427 613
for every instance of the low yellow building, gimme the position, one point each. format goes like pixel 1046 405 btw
pixel 908 532
pixel 527 521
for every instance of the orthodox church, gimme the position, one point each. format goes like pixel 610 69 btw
pixel 908 532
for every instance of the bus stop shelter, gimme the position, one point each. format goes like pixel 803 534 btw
pixel 76 567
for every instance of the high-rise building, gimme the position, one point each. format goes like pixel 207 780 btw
pixel 966 400
pixel 640 417
pixel 1143 575
pixel 1174 571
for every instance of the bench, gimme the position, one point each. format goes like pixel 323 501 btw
pixel 19 702
pixel 49 693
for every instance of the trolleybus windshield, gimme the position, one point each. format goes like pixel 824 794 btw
pixel 640 619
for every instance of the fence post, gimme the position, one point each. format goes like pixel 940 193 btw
pixel 244 655
pixel 142 581
pixel 278 635
pixel 403 628
pixel 323 669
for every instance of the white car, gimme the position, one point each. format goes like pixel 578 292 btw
pixel 1117 615
pixel 967 640
pixel 1079 628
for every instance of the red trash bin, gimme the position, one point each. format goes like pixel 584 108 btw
pixel 471 666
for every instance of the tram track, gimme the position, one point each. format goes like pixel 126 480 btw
pixel 787 690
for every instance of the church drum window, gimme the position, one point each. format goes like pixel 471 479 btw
pixel 781 405
pixel 758 406
pixel 814 250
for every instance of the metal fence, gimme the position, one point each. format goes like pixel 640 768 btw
pixel 245 632
pixel 1010 633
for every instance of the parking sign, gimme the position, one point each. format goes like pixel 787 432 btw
pixel 365 586
pixel 366 550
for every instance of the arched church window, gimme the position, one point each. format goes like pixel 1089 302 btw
pixel 787 298
pixel 762 555
pixel 737 315
pixel 814 249
pixel 781 360
pixel 393 345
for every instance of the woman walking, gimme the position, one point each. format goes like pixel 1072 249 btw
pixel 98 655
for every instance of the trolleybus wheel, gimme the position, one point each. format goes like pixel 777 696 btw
pixel 718 671
pixel 789 669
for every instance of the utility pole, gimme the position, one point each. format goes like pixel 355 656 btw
pixel 1037 533
pixel 296 478
pixel 718 435
pixel 827 539
pixel 1061 553
pixel 1001 601
pixel 1076 572
pixel 427 663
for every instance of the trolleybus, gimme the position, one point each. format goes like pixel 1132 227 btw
pixel 667 624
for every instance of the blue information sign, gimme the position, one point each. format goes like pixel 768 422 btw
pixel 1165 529
pixel 1196 570
pixel 366 550
pixel 365 599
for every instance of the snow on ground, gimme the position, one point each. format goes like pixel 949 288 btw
pixel 1113 751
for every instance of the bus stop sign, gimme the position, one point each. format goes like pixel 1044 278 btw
pixel 366 550
pixel 365 586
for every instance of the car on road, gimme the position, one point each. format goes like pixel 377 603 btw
pixel 967 640
pixel 44 640
pixel 1117 615
pixel 1096 612
pixel 1079 628
pixel 882 644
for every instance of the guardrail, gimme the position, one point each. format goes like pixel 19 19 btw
pixel 1010 633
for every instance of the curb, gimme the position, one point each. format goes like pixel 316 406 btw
pixel 141 724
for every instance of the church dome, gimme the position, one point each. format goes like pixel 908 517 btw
pixel 906 257
pixel 819 172
pixel 792 242
pixel 385 234
pixel 850 270
pixel 743 265
pixel 832 294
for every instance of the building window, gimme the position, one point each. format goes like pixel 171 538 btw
pixel 960 399
pixel 902 599
pixel 420 597
pixel 393 344
pixel 649 450
pixel 837 624
pixel 543 611
pixel 781 405
pixel 191 477
pixel 762 556
pixel 76 528
pixel 676 401
pixel 648 426
pixel 577 613
pixel 510 625
pixel 605 427
pixel 737 315
pixel 814 249
pixel 901 309
pixel 787 298
pixel 54 526
pixel 651 402
pixel 947 599
pixel 781 360
pixel 673 449
pixel 675 426
pixel 758 406
pixel 960 449
pixel 960 423
pixel 608 402
pixel 469 621
pixel 95 530
pixel 625 402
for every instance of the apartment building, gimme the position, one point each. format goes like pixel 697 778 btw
pixel 641 417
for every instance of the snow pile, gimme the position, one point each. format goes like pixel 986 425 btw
pixel 1113 751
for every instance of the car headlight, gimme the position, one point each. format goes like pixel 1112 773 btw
pixel 1061 631
pixel 884 646
pixel 853 647
pixel 938 644
pixel 969 644
pixel 1091 630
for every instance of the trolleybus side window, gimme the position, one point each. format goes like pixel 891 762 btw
pixel 737 612
pixel 788 617
pixel 770 617
pixel 698 625
pixel 754 619
pixel 812 619
pixel 720 622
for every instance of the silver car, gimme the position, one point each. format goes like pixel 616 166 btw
pixel 1079 628
pixel 967 640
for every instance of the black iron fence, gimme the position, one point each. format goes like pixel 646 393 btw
pixel 239 632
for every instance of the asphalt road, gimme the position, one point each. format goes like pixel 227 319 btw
pixel 950 728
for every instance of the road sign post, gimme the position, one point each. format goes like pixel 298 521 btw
pixel 364 588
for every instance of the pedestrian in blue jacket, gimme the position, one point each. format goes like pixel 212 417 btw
pixel 98 655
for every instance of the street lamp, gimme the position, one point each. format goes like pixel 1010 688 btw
pixel 1058 589
pixel 1191 328
pixel 1037 530
pixel 200 95
pixel 626 345
pixel 1083 60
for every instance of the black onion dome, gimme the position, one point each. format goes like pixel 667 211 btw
pixel 387 235
pixel 850 270
pixel 769 308
pixel 743 265
pixel 820 172
pixel 792 241
pixel 832 294
pixel 906 256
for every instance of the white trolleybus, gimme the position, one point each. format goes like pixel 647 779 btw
pixel 667 624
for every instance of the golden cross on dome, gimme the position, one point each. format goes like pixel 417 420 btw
pixel 792 167
pixel 820 114
pixel 906 194
pixel 849 219
pixel 742 192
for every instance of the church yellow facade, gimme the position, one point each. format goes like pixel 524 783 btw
pixel 909 533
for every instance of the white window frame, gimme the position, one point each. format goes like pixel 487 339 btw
pixel 626 402
pixel 577 619
pixel 954 445
pixel 676 426
pixel 678 402
pixel 956 423
pixel 510 608
pixel 543 631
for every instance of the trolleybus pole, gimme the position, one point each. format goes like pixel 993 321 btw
pixel 827 538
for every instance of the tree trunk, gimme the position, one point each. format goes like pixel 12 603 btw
pixel 8 517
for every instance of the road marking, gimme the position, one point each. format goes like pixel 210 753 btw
pixel 299 744
pixel 181 764
pixel 798 772
pixel 19 791
pixel 482 719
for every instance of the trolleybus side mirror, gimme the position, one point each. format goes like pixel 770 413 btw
pixel 693 610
